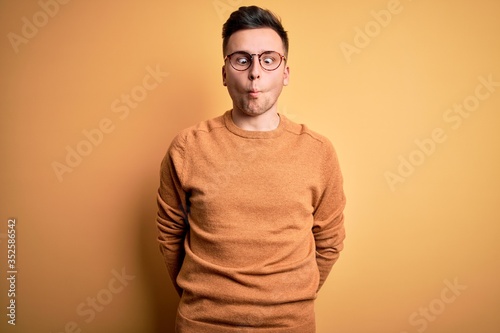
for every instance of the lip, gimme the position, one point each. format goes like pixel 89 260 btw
pixel 253 93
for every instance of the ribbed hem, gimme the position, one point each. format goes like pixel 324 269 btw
pixel 184 325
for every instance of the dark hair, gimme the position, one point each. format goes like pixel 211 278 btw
pixel 252 17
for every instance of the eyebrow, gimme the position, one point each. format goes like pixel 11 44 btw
pixel 262 51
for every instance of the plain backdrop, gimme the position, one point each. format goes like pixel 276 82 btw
pixel 92 92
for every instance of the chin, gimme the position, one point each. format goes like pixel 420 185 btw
pixel 254 110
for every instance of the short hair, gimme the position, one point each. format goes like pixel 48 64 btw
pixel 252 17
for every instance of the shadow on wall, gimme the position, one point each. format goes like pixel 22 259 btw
pixel 162 296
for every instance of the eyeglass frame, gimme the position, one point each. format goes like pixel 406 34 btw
pixel 282 57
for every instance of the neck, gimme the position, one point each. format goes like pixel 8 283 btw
pixel 266 121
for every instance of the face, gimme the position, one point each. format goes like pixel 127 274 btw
pixel 255 91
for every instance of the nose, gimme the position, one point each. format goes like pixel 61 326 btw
pixel 255 69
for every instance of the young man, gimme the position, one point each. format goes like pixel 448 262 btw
pixel 250 204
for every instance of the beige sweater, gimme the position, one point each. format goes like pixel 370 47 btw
pixel 250 224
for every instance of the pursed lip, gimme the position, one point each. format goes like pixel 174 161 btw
pixel 253 92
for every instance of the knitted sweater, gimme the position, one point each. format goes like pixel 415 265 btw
pixel 250 224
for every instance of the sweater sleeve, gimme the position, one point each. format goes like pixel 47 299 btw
pixel 172 211
pixel 328 228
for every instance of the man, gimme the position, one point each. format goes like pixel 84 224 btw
pixel 250 204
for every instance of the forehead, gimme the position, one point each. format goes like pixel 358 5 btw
pixel 255 41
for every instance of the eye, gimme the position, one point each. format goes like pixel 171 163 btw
pixel 242 60
pixel 268 59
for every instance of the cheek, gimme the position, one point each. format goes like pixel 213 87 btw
pixel 235 81
pixel 278 82
pixel 233 89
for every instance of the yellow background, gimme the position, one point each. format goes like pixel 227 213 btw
pixel 405 243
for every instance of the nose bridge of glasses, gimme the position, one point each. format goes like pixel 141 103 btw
pixel 255 57
pixel 251 64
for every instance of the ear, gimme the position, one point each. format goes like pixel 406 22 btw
pixel 286 76
pixel 224 75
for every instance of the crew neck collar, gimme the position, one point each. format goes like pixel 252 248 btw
pixel 233 128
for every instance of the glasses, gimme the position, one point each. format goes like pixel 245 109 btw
pixel 268 60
